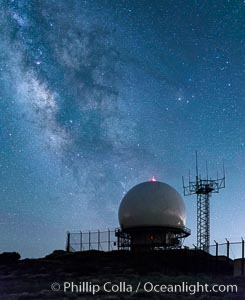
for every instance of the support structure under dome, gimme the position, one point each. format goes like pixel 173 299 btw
pixel 151 238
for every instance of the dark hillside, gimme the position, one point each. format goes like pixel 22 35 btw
pixel 90 271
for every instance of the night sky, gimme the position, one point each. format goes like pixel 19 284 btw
pixel 97 96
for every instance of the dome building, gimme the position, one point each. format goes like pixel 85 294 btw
pixel 151 216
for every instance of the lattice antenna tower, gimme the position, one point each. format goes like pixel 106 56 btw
pixel 203 188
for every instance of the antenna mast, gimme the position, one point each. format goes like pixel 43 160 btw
pixel 203 188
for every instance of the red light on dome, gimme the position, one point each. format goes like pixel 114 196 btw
pixel 153 179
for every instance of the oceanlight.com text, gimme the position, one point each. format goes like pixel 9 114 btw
pixel 147 287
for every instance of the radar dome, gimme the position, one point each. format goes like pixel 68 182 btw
pixel 152 204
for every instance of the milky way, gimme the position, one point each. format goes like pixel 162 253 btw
pixel 97 96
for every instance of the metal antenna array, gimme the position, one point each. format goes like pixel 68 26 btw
pixel 203 188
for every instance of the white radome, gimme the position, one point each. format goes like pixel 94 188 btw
pixel 151 204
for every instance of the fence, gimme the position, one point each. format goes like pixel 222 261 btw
pixel 91 240
pixel 107 241
pixel 232 250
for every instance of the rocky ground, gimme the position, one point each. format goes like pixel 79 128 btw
pixel 114 275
